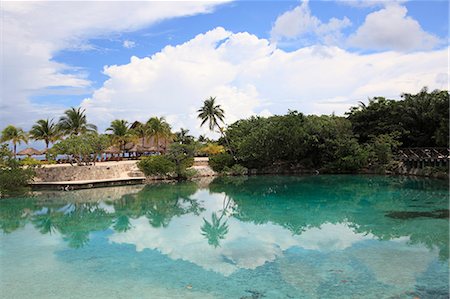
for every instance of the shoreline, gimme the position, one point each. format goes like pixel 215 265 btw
pixel 122 173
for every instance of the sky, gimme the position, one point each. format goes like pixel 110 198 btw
pixel 134 60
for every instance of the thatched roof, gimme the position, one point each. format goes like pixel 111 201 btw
pixel 29 151
pixel 137 148
pixel 146 145
pixel 112 150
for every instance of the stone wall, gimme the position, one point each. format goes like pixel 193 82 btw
pixel 101 171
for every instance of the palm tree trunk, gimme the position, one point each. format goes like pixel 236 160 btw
pixel 226 141
pixel 46 149
pixel 14 150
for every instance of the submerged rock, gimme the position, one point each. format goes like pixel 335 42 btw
pixel 437 214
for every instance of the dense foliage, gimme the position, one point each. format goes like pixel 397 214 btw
pixel 13 178
pixel 420 120
pixel 313 141
pixel 367 137
pixel 156 165
pixel 182 155
pixel 82 148
pixel 221 160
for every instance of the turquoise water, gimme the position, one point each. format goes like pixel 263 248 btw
pixel 257 237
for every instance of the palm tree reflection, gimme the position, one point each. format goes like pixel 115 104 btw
pixel 216 230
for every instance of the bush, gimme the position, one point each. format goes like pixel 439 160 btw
pixel 13 178
pixel 212 149
pixel 236 169
pixel 220 161
pixel 156 165
pixel 28 161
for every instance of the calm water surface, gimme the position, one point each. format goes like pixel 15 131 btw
pixel 257 237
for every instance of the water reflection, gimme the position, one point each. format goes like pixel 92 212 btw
pixel 320 233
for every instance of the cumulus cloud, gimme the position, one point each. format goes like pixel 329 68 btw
pixel 32 32
pixel 391 29
pixel 128 44
pixel 249 75
pixel 300 23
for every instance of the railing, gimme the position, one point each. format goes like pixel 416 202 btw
pixel 423 153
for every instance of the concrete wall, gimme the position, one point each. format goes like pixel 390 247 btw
pixel 101 171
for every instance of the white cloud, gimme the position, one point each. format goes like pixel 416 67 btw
pixel 33 32
pixel 369 3
pixel 128 44
pixel 251 76
pixel 299 22
pixel 391 29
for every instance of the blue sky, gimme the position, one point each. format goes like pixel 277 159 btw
pixel 59 55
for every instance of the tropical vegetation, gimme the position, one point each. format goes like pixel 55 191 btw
pixel 13 178
pixel 15 135
pixel 366 137
pixel 74 122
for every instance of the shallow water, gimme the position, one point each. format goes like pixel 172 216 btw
pixel 258 237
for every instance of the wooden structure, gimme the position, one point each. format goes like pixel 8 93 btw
pixel 420 157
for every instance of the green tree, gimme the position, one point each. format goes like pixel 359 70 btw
pixel 159 128
pixel 46 130
pixel 82 148
pixel 213 114
pixel 74 122
pixel 380 116
pixel 182 156
pixel 120 133
pixel 183 137
pixel 140 130
pixel 426 117
pixel 15 135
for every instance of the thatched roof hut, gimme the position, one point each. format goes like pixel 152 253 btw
pixel 29 151
pixel 137 148
pixel 112 150
pixel 143 145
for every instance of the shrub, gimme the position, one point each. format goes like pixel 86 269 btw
pixel 212 149
pixel 220 161
pixel 28 161
pixel 156 165
pixel 13 178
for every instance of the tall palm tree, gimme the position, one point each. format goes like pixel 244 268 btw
pixel 15 135
pixel 46 130
pixel 159 128
pixel 120 132
pixel 74 122
pixel 140 130
pixel 213 114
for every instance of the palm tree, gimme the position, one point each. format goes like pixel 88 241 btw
pixel 120 132
pixel 46 130
pixel 213 114
pixel 15 135
pixel 74 122
pixel 159 128
pixel 140 130
pixel 183 138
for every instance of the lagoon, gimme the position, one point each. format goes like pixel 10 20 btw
pixel 326 236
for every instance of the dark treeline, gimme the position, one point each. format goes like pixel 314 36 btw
pixel 367 136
